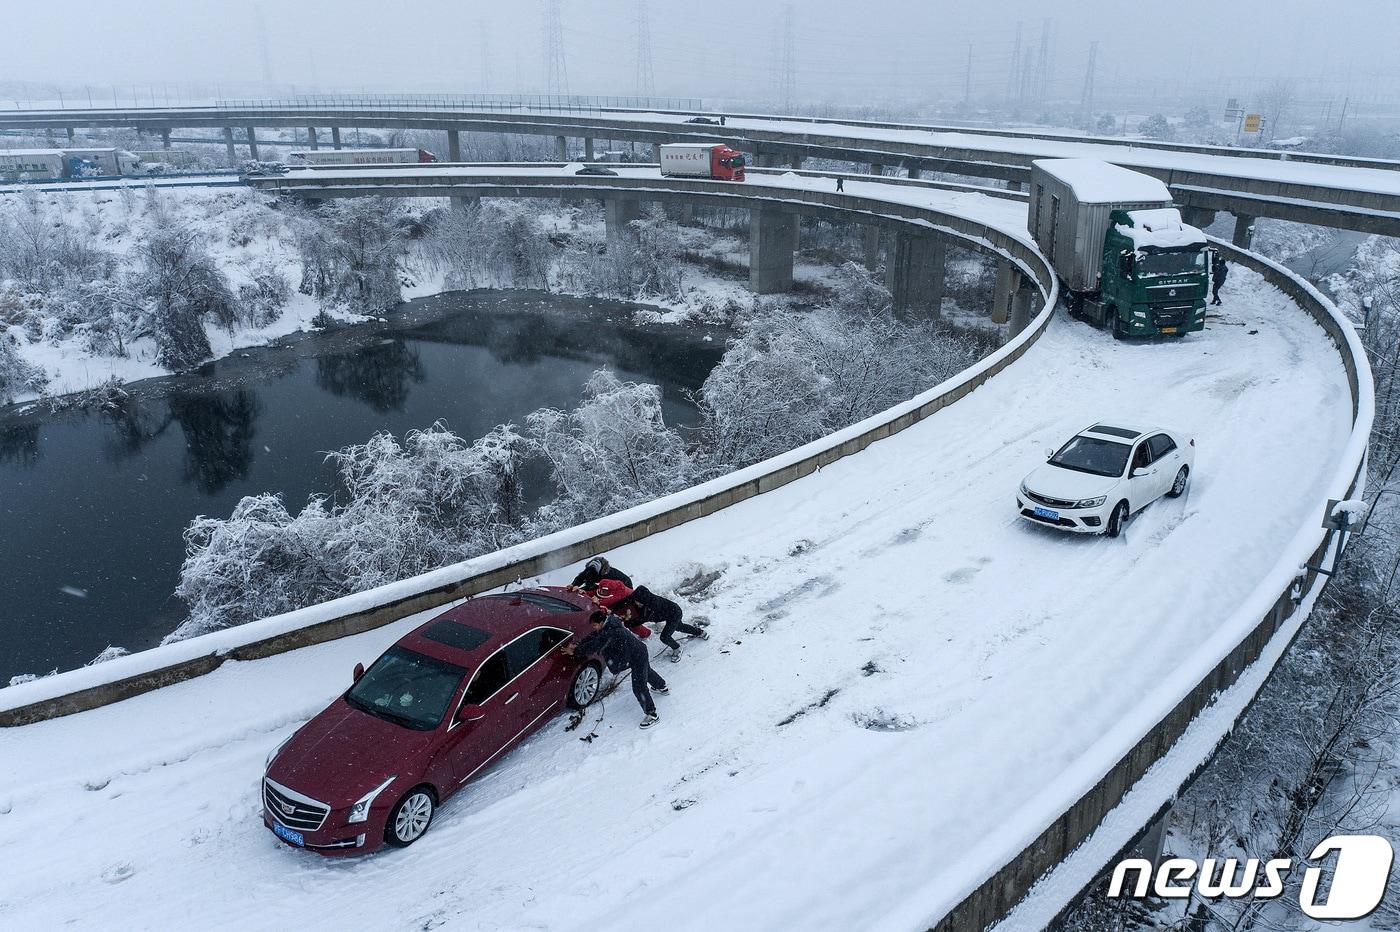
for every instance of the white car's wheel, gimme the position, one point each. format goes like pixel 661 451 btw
pixel 1117 520
pixel 1179 484
pixel 410 818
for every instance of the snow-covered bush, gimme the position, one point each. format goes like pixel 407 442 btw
pixel 262 298
pixel 497 243
pixel 1156 127
pixel 350 251
pixel 16 375
pixel 260 561
pixel 611 452
pixel 405 509
pixel 642 265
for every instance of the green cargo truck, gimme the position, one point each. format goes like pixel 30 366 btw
pixel 1125 259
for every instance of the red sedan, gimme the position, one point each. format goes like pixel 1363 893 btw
pixel 441 704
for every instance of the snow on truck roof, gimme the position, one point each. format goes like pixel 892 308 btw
pixel 1161 227
pixel 1096 182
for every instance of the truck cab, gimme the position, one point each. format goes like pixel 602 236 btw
pixel 1156 274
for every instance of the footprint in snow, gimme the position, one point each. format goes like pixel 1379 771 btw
pixel 962 575
pixel 118 872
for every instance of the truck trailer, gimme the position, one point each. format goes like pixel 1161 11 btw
pixel 1125 259
pixel 360 157
pixel 62 164
pixel 702 160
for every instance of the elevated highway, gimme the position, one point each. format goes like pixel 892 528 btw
pixel 1337 191
pixel 910 689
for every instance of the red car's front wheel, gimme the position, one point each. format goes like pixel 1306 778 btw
pixel 410 817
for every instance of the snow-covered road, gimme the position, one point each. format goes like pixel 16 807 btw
pixel 898 664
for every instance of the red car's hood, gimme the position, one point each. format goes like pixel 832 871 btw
pixel 344 753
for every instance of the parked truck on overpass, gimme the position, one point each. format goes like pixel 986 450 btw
pixel 360 157
pixel 702 160
pixel 62 164
pixel 1126 260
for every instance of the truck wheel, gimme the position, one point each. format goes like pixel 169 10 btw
pixel 1119 333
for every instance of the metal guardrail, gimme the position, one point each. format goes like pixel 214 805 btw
pixel 568 102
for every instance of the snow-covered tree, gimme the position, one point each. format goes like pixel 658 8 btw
pixel 611 452
pixel 183 287
pixel 16 375
pixel 351 250
pixel 1156 127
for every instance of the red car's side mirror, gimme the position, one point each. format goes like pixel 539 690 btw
pixel 359 671
pixel 471 713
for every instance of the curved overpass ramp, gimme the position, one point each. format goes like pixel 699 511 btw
pixel 906 684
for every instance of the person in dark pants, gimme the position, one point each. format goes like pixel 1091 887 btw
pixel 721 119
pixel 620 650
pixel 840 184
pixel 1219 270
pixel 595 571
pixel 646 607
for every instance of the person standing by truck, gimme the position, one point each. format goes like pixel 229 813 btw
pixel 1219 271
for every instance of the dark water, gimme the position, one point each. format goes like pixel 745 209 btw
pixel 92 504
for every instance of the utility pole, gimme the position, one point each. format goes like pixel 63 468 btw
pixel 1086 98
pixel 789 73
pixel 967 80
pixel 263 54
pixel 483 30
pixel 646 73
pixel 556 74
pixel 1042 67
pixel 1013 80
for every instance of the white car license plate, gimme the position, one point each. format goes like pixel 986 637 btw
pixel 1047 513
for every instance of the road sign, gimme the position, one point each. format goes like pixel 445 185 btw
pixel 1252 122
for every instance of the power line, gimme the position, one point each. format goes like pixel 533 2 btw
pixel 483 31
pixel 1086 97
pixel 1013 79
pixel 264 55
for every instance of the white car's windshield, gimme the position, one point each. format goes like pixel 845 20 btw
pixel 1093 455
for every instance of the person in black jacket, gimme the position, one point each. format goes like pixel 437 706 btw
pixel 646 607
pixel 595 571
pixel 621 649
pixel 1219 271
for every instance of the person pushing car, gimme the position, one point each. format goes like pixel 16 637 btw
pixel 642 606
pixel 621 650
pixel 595 571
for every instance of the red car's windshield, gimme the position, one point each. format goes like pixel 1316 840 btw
pixel 407 688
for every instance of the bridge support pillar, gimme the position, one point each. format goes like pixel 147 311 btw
pixel 688 214
pixel 656 152
pixel 561 149
pixel 252 144
pixel 914 172
pixel 1014 186
pixel 772 240
pixel 164 138
pixel 870 247
pixel 1008 284
pixel 311 139
pixel 335 137
pixel 1199 217
pixel 914 274
pixel 876 168
pixel 1149 846
pixel 797 163
pixel 72 135
pixel 454 145
pixel 618 214
pixel 1244 231
pixel 228 143
pixel 1020 309
pixel 588 148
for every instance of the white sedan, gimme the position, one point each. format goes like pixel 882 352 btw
pixel 1104 474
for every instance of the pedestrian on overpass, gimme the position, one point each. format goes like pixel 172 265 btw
pixel 840 183
pixel 1218 273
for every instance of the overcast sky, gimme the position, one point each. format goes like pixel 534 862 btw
pixel 850 50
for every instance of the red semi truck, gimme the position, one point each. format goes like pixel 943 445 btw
pixel 702 160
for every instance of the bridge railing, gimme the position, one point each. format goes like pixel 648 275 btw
pixel 984 886
pixel 567 102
